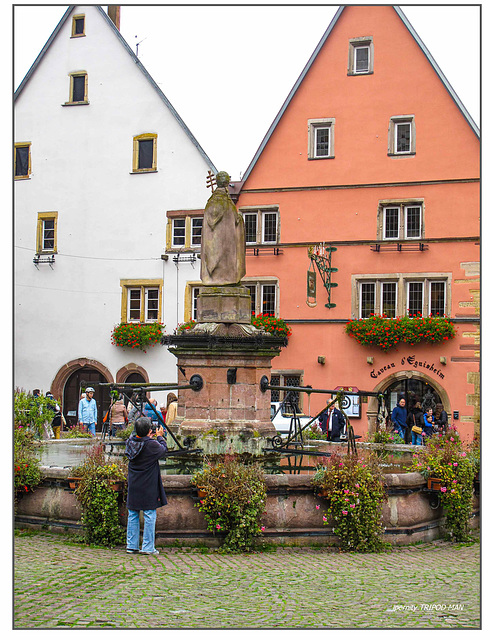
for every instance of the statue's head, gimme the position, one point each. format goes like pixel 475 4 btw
pixel 222 179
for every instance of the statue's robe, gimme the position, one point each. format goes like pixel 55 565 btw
pixel 223 242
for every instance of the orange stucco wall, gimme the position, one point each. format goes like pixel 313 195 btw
pixel 336 201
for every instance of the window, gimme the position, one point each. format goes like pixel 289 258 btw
pixel 141 301
pixel 78 93
pixel 287 379
pixel 46 236
pixel 263 296
pixel 400 220
pixel 196 231
pixel 321 138
pixel 178 232
pixel 22 160
pixel 184 230
pixel 78 26
pixel 261 225
pixel 361 56
pixel 401 135
pixel 145 153
pixel 250 221
pixel 401 294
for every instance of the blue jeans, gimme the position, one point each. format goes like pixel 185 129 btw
pixel 416 438
pixel 133 530
pixel 400 430
pixel 90 427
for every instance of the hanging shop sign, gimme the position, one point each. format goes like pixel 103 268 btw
pixel 414 363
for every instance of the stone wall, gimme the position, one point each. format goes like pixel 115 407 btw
pixel 291 514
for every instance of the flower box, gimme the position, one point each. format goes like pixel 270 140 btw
pixel 434 484
pixel 73 482
pixel 118 485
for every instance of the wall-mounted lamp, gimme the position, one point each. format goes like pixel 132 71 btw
pixel 321 359
pixel 443 360
pixel 370 359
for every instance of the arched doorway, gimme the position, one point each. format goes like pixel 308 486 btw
pixel 414 387
pixel 71 394
pixel 413 390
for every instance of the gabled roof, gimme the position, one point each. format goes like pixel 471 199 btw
pixel 312 59
pixel 117 33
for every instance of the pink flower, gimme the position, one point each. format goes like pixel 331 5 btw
pixel 463 454
pixel 325 518
pixel 455 464
pixel 262 528
pixel 344 513
pixel 443 489
pixel 346 490
pixel 218 526
pixel 317 506
pixel 352 506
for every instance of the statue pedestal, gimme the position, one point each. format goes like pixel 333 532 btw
pixel 231 366
pixel 224 304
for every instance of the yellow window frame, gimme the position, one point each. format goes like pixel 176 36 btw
pixel 73 26
pixel 77 74
pixel 20 145
pixel 41 217
pixel 136 152
pixel 152 283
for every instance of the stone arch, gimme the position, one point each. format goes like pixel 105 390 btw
pixel 59 381
pixel 382 386
pixel 130 368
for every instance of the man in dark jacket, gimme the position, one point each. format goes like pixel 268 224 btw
pixel 332 422
pixel 399 418
pixel 145 487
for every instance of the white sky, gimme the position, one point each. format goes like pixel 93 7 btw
pixel 228 69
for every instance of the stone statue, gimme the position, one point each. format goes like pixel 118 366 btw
pixel 223 238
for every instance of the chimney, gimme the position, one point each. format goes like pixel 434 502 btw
pixel 114 13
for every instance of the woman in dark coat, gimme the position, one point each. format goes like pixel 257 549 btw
pixel 145 487
pixel 415 419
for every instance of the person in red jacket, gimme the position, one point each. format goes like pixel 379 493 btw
pixel 145 487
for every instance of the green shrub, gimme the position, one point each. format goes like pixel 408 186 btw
pixel 353 488
pixel 447 458
pixel 233 501
pixel 100 502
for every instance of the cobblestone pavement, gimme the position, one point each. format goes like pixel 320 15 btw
pixel 62 584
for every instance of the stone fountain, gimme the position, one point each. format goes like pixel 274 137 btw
pixel 223 347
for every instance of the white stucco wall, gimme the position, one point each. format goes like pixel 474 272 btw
pixel 111 224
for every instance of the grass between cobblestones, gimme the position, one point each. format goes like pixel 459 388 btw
pixel 61 584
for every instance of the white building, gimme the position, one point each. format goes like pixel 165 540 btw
pixel 101 156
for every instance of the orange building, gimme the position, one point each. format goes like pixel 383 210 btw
pixel 373 160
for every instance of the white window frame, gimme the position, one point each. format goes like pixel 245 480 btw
pixel 193 220
pixel 149 320
pixel 251 214
pixel 382 302
pixel 403 283
pixel 315 124
pixel 264 216
pixel 260 213
pixel 402 206
pixel 395 122
pixel 143 286
pixel 174 244
pixel 354 45
pixel 259 285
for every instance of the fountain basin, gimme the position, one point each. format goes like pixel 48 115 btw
pixel 291 514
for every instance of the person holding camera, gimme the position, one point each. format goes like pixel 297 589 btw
pixel 145 486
